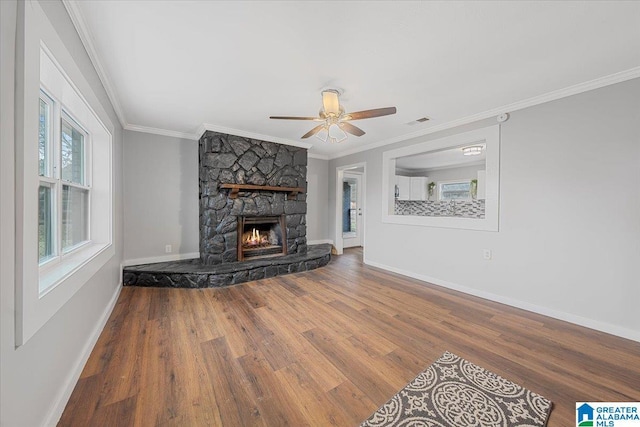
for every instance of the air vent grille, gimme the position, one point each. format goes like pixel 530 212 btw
pixel 420 120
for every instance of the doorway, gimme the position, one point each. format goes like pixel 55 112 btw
pixel 351 209
pixel 350 218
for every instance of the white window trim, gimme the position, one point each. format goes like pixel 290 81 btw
pixel 39 295
pixel 59 112
pixel 490 136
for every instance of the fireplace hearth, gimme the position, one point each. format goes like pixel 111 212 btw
pixel 261 237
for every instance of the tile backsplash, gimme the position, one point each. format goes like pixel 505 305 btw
pixel 458 208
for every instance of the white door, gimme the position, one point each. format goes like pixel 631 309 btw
pixel 351 210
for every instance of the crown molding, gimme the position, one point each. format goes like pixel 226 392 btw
pixel 230 131
pixel 164 132
pixel 611 79
pixel 85 37
pixel 317 156
pixel 529 102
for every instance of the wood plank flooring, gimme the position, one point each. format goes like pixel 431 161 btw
pixel 325 347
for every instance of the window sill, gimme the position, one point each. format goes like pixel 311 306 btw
pixel 489 223
pixel 52 276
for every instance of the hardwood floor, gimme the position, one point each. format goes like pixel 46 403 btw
pixel 325 347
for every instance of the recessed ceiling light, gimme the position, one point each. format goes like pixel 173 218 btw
pixel 472 150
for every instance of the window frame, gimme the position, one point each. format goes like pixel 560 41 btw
pixel 58 114
pixel 85 186
pixel 490 136
pixel 47 62
pixel 50 132
pixel 47 177
pixel 52 239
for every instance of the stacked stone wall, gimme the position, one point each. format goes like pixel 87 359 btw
pixel 229 159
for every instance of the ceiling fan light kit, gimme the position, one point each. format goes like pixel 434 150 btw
pixel 335 122
pixel 330 102
pixel 336 134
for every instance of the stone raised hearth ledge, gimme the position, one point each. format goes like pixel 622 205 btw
pixel 192 273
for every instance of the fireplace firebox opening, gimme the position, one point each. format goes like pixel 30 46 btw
pixel 261 237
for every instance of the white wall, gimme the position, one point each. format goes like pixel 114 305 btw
pixel 37 378
pixel 451 174
pixel 569 207
pixel 160 196
pixel 317 201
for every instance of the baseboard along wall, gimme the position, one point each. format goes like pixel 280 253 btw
pixel 163 258
pixel 60 402
pixel 545 311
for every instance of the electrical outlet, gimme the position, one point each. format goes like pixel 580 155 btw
pixel 168 249
pixel 486 254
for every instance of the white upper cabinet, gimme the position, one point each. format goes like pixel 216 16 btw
pixel 418 188
pixel 403 187
pixel 411 187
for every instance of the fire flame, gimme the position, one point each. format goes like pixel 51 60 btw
pixel 254 238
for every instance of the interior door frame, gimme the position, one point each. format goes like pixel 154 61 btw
pixel 338 243
pixel 348 174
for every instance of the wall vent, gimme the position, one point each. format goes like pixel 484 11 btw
pixel 420 120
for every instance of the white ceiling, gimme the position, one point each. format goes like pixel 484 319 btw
pixel 179 67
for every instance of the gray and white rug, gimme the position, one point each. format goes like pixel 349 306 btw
pixel 453 392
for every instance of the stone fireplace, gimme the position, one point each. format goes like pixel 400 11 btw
pixel 261 237
pixel 253 207
pixel 259 172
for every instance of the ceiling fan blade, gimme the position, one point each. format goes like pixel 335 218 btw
pixel 295 118
pixel 353 130
pixel 330 102
pixel 368 114
pixel 313 131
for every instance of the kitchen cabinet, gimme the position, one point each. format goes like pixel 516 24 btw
pixel 403 187
pixel 419 188
pixel 411 187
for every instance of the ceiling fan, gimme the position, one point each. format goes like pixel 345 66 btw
pixel 335 121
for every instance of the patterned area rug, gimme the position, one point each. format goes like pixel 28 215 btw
pixel 453 392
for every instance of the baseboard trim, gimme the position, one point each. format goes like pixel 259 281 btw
pixel 164 258
pixel 320 242
pixel 545 311
pixel 57 408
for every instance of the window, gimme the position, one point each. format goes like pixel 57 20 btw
pixel 75 193
pixel 63 193
pixel 454 190
pixel 46 199
pixel 64 178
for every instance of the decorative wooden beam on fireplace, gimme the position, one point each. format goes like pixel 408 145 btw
pixel 236 188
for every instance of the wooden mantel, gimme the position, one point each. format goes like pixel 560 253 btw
pixel 292 192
